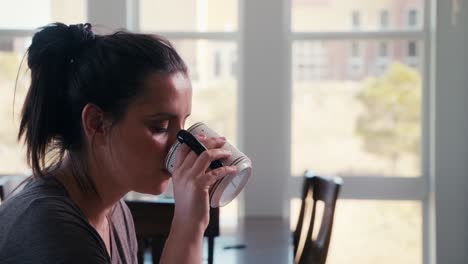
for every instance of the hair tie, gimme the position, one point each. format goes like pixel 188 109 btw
pixel 81 35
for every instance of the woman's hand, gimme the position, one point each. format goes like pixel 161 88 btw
pixel 192 179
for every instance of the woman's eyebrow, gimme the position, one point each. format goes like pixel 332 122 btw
pixel 163 115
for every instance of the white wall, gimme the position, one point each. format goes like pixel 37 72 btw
pixel 451 141
pixel 265 107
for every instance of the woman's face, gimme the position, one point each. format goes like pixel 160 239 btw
pixel 140 141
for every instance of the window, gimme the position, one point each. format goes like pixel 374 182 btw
pixel 234 66
pixel 339 129
pixel 356 19
pixel 383 57
pixel 16 25
pixel 383 49
pixel 412 18
pixel 384 19
pixel 195 16
pixel 355 51
pixel 412 49
pixel 412 56
pixel 217 64
pixel 27 14
pixel 204 32
pixel 356 60
pixel 342 16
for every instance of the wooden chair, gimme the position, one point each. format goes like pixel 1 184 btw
pixel 153 219
pixel 3 186
pixel 308 250
pixel 2 190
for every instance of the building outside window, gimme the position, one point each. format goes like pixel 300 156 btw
pixel 384 19
pixel 356 19
pixel 412 18
pixel 383 58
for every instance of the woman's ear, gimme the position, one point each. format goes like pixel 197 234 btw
pixel 94 123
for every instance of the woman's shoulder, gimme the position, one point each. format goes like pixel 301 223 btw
pixel 38 195
pixel 41 204
pixel 41 218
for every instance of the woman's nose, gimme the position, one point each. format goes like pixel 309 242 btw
pixel 173 135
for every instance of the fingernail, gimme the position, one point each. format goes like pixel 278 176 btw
pixel 223 138
pixel 201 136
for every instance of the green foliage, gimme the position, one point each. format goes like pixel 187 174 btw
pixel 390 122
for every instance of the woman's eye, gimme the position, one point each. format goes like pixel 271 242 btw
pixel 159 130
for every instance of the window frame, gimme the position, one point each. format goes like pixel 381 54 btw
pixel 369 187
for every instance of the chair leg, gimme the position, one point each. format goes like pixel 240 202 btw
pixel 210 249
pixel 141 250
pixel 157 246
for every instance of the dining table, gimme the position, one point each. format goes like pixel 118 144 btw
pixel 152 216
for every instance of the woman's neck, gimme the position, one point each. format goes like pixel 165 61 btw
pixel 95 205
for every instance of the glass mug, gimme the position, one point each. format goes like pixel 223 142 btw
pixel 227 188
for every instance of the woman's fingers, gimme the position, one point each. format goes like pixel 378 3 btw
pixel 212 176
pixel 204 160
pixel 209 143
pixel 182 153
pixel 189 157
pixel 213 142
pixel 186 157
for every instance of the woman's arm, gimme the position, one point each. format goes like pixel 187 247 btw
pixel 184 244
pixel 192 180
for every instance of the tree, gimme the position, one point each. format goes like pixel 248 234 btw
pixel 390 122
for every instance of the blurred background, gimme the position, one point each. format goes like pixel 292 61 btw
pixel 340 87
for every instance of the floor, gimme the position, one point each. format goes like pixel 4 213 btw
pixel 256 241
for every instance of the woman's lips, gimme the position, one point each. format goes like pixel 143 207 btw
pixel 166 172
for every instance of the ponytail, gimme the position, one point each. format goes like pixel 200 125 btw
pixel 45 113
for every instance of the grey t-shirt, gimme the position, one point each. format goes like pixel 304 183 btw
pixel 41 224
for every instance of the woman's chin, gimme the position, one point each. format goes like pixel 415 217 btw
pixel 155 184
pixel 154 189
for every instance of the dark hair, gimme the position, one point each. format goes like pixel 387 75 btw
pixel 71 67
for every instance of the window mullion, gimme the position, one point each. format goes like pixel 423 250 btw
pixel 198 35
pixel 350 35
pixel 133 15
pixel 100 15
pixel 373 188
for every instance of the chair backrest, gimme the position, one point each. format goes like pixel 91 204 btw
pixel 2 193
pixel 10 184
pixel 315 188
pixel 3 183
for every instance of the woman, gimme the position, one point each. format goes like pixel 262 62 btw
pixel 99 118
